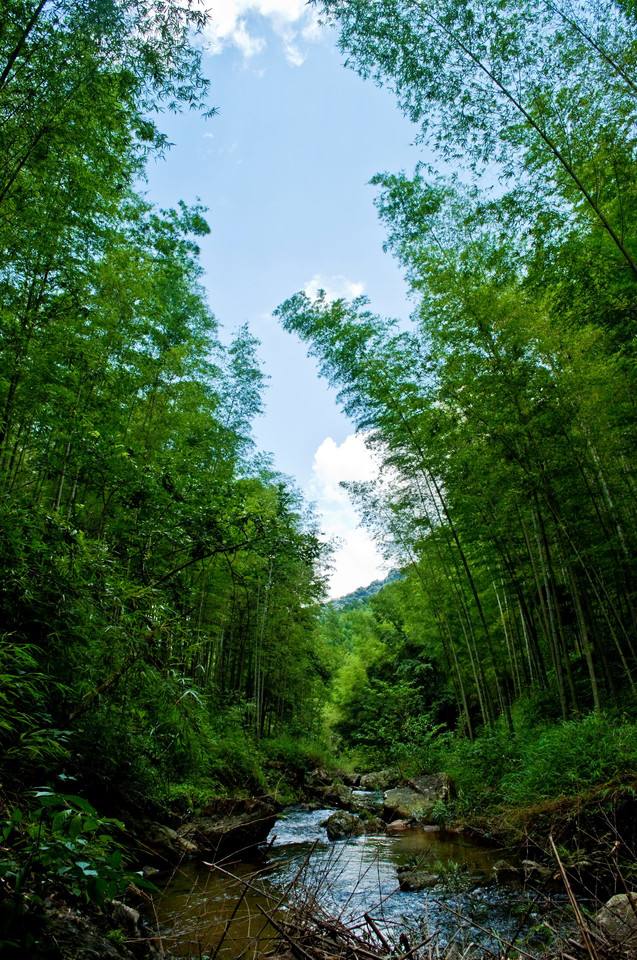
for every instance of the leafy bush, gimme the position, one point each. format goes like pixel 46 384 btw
pixel 171 734
pixel 27 735
pixel 296 755
pixel 63 841
pixel 191 795
pixel 477 766
pixel 570 757
pixel 537 762
pixel 440 813
pixel 424 743
pixel 232 758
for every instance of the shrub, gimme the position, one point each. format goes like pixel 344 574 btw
pixel 476 767
pixel 232 758
pixel 28 737
pixel 62 840
pixel 571 756
pixel 295 755
pixel 537 762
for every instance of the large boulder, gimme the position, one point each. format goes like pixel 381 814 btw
pixel 434 786
pixel 66 933
pixel 366 802
pixel 379 780
pixel 503 870
pixel 337 795
pixel 126 918
pixel 416 802
pixel 163 844
pixel 343 824
pixel 452 876
pixel 231 827
pixel 618 919
pixel 398 826
pixel 374 825
pixel 350 779
pixel 405 803
pixel 534 871
pixel 317 778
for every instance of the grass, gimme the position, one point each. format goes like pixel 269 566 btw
pixel 538 762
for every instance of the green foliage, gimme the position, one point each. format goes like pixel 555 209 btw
pixel 116 936
pixel 295 754
pixel 62 840
pixel 454 876
pixel 191 796
pixel 160 582
pixel 232 757
pixel 27 736
pixel 480 765
pixel 389 708
pixel 503 414
pixel 539 762
pixel 440 814
pixel 386 697
pixel 570 757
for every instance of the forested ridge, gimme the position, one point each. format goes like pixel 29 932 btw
pixel 164 631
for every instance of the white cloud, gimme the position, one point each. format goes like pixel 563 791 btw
pixel 312 31
pixel 293 53
pixel 356 561
pixel 334 287
pixel 247 44
pixel 290 19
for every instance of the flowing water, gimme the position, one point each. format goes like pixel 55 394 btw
pixel 350 878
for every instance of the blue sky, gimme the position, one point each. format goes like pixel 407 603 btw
pixel 284 170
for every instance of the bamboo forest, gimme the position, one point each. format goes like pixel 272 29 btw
pixel 208 748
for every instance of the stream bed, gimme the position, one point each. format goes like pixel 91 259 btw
pixel 349 878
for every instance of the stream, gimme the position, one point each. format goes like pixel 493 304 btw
pixel 349 878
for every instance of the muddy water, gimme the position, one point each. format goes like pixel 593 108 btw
pixel 350 878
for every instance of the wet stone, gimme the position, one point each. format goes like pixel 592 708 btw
pixel 337 795
pixel 417 880
pixel 379 780
pixel 536 871
pixel 503 870
pixel 435 786
pixel 342 825
pixel 398 826
pixel 618 919
pixel 405 803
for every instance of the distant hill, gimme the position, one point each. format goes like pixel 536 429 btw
pixel 362 594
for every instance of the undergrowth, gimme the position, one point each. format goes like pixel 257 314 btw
pixel 533 763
